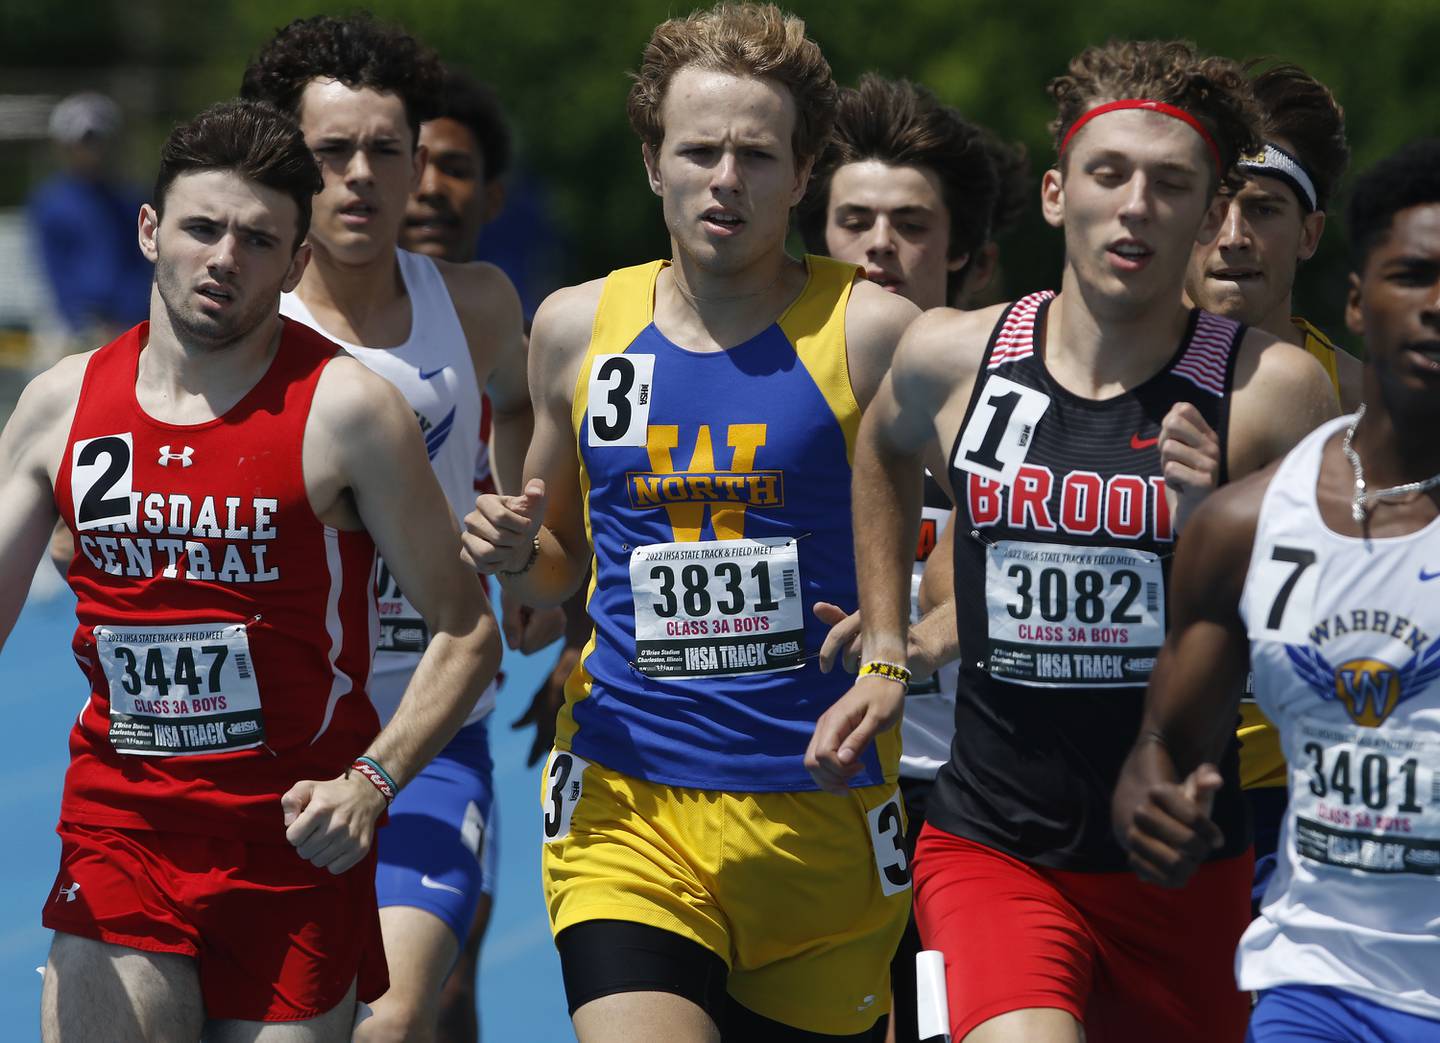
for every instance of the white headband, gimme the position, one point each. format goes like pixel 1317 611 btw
pixel 1276 162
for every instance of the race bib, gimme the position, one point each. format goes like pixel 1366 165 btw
pixel 180 689
pixel 619 400
pixel 564 785
pixel 717 609
pixel 1090 617
pixel 998 434
pixel 1366 801
pixel 402 629
pixel 887 840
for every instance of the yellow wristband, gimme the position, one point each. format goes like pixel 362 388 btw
pixel 889 671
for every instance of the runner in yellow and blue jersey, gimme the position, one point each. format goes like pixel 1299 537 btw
pixel 1247 273
pixel 695 429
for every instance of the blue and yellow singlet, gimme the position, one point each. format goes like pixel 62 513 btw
pixel 716 491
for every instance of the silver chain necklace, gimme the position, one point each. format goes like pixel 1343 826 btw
pixel 1364 501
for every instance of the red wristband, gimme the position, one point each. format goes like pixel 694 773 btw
pixel 377 779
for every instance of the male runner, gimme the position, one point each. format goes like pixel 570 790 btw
pixel 1247 272
pixel 906 190
pixel 693 426
pixel 462 188
pixel 1015 193
pixel 1053 412
pixel 439 332
pixel 1317 574
pixel 223 473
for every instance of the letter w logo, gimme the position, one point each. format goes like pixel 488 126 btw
pixel 1369 694
pixel 687 519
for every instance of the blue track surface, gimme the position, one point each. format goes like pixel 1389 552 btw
pixel 40 692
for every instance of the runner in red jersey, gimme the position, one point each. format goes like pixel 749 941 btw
pixel 1081 430
pixel 227 477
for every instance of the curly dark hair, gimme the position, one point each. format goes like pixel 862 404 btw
pixel 901 123
pixel 750 39
pixel 1409 177
pixel 473 104
pixel 1300 111
pixel 1215 91
pixel 251 138
pixel 357 50
pixel 1015 190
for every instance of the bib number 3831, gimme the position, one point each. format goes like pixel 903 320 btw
pixel 179 690
pixel 717 608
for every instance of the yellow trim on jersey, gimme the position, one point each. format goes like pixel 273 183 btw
pixel 1262 762
pixel 815 325
pixel 1320 346
pixel 627 305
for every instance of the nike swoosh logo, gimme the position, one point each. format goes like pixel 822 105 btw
pixel 1426 577
pixel 1136 442
pixel 432 373
pixel 436 885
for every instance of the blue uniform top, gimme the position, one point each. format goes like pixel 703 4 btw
pixel 716 488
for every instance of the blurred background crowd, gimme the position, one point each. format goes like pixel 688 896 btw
pixel 88 91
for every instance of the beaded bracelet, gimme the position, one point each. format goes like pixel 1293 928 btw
pixel 378 776
pixel 529 562
pixel 889 671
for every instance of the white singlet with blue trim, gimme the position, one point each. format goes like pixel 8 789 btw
pixel 1345 648
pixel 434 371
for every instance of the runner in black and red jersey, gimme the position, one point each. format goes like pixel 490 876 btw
pixel 1070 421
pixel 227 477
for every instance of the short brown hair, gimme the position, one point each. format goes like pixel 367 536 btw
pixel 756 40
pixel 901 123
pixel 1300 110
pixel 1214 90
pixel 251 138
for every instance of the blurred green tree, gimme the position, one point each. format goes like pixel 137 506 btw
pixel 560 68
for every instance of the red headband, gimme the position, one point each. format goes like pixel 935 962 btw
pixel 1151 106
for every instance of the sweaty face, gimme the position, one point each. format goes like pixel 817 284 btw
pixel 892 220
pixel 363 142
pixel 223 253
pixel 1395 303
pixel 445 213
pixel 726 168
pixel 1248 270
pixel 1133 201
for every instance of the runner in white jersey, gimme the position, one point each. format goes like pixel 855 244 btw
pixel 439 332
pixel 462 189
pixel 1323 567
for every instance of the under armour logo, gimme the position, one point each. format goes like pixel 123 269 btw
pixel 68 892
pixel 184 455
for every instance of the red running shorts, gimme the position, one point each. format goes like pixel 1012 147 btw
pixel 274 938
pixel 1129 960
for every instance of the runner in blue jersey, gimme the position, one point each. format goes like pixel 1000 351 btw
pixel 695 419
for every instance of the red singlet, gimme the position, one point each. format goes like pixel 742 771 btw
pixel 226 633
